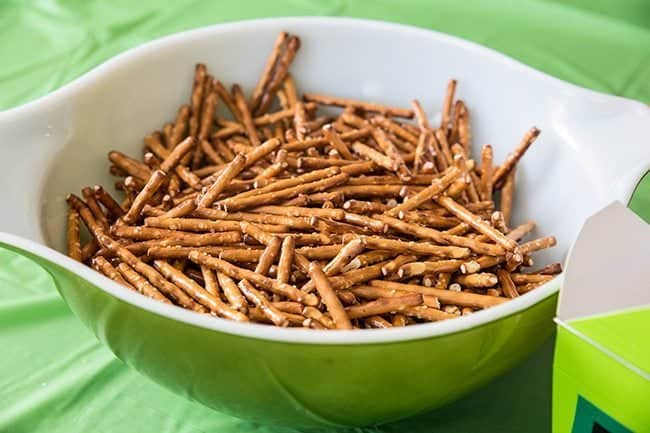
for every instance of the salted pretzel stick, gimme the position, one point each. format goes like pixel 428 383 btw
pixel 247 118
pixel 259 280
pixel 392 153
pixel 153 184
pixel 476 222
pixel 440 237
pixel 329 297
pixel 446 106
pixel 73 240
pixel 94 207
pixel 337 143
pixel 377 322
pixel 445 148
pixel 201 225
pixel 129 165
pixel 299 120
pixel 196 99
pixel 530 278
pixel 113 207
pixel 169 289
pixel 429 314
pixel 480 280
pixel 174 237
pixel 267 72
pixel 279 74
pixel 507 195
pixel 369 292
pixel 269 256
pixel 173 158
pixel 180 126
pixel 210 281
pixel 395 128
pixel 257 200
pixel 285 262
pixel 298 146
pixel 365 207
pixel 501 172
pixel 207 115
pixel 391 267
pixel 230 253
pixel 263 219
pixel 399 320
pixel 552 269
pixel 210 153
pixel 288 183
pixel 102 265
pixel 231 292
pixel 486 173
pixel 409 270
pixel 343 257
pixel 368 258
pixel 377 157
pixel 365 106
pixel 137 281
pixel 197 292
pixel 259 300
pixel 279 165
pixel 323 252
pixel 465 299
pixel 507 285
pixel 232 169
pixel 437 187
pixel 225 96
pixel 378 243
pixel 384 305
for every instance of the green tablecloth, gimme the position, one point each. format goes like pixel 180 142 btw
pixel 56 377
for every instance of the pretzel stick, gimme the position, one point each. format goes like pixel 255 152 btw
pixel 203 225
pixel 273 314
pixel 207 115
pixel 501 173
pixel 399 320
pixel 298 146
pixel 507 285
pixel 102 265
pixel 393 127
pixel 337 143
pixel 94 207
pixel 113 207
pixel 419 268
pixel 552 269
pixel 392 153
pixel 266 75
pixel 486 172
pixel 343 257
pixel 465 299
pixel 429 314
pixel 377 322
pixel 391 267
pixel 329 297
pixel 476 222
pixel 323 252
pixel 365 106
pixel 146 233
pixel 369 292
pixel 73 240
pixel 269 256
pixel 232 169
pixel 507 195
pixel 232 292
pixel 153 184
pixel 173 158
pixel 319 185
pixel 200 72
pixel 377 157
pixel 247 118
pixel 180 126
pixel 424 248
pixel 286 259
pixel 384 305
pixel 129 165
pixel 225 96
pixel 364 207
pixel 481 280
pixel 279 74
pixel 137 281
pixel 437 187
pixel 279 165
pixel 368 258
pixel 446 105
pixel 259 280
pixel 210 281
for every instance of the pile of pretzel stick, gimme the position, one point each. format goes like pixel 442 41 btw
pixel 276 213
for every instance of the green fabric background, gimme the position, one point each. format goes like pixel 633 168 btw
pixel 55 376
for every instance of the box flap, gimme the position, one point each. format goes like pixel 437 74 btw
pixel 608 268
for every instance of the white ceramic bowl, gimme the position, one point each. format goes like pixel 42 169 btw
pixel 593 148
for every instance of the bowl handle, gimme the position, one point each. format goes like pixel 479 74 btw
pixel 31 135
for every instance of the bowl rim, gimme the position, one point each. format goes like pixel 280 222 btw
pixel 265 332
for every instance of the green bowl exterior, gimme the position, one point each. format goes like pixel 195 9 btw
pixel 305 385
